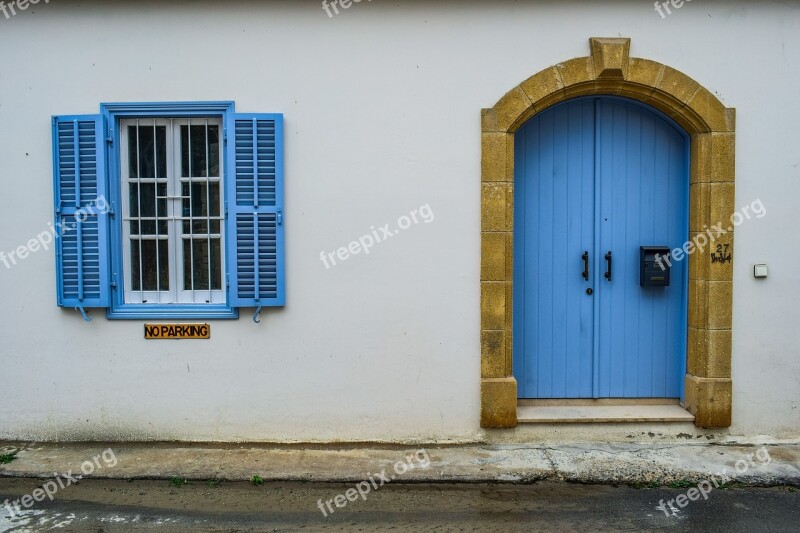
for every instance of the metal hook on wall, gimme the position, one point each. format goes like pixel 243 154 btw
pixel 86 317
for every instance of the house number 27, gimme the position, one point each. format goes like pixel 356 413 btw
pixel 722 254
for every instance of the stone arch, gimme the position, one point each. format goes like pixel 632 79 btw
pixel 609 70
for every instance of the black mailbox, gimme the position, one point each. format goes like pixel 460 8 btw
pixel 654 265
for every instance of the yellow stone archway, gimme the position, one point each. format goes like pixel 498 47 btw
pixel 609 70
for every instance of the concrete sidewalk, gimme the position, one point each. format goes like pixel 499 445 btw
pixel 654 464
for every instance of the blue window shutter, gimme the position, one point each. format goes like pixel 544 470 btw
pixel 254 197
pixel 81 212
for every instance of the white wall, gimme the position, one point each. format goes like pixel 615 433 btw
pixel 382 108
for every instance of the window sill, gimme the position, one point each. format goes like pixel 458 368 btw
pixel 169 312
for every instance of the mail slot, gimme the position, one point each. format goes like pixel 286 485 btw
pixel 654 266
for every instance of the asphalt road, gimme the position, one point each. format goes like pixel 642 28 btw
pixel 111 506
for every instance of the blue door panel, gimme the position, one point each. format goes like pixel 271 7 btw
pixel 553 320
pixel 643 186
pixel 598 175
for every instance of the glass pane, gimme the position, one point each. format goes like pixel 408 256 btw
pixel 199 200
pixel 150 207
pixel 199 264
pixel 216 264
pixel 161 146
pixel 214 191
pixel 133 202
pixel 147 156
pixel 133 153
pixel 147 199
pixel 195 205
pixel 150 266
pixel 147 147
pixel 161 209
pixel 195 148
pixel 142 198
pixel 213 151
pixel 135 278
pixel 215 199
pixel 163 265
pixel 133 199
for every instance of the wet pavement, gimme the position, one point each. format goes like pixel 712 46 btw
pixel 115 505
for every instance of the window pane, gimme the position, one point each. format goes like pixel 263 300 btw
pixel 161 145
pixel 151 207
pixel 195 205
pixel 161 209
pixel 147 146
pixel 133 153
pixel 195 149
pixel 213 151
pixel 133 202
pixel 215 199
pixel 150 266
pixel 163 263
pixel 216 264
pixel 142 198
pixel 198 264
pixel 133 199
pixel 135 270
pixel 214 191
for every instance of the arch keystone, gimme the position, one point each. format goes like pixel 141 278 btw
pixel 610 57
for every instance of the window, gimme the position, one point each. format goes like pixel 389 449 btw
pixel 172 210
pixel 193 218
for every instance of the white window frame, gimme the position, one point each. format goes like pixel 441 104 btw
pixel 176 295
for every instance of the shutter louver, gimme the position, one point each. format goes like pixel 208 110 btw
pixel 81 212
pixel 255 212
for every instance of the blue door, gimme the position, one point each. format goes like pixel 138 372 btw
pixel 596 179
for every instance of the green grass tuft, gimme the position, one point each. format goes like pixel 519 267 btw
pixel 7 458
pixel 178 481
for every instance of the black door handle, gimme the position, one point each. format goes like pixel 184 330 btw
pixel 608 271
pixel 585 258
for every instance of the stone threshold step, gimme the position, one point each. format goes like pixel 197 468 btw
pixel 555 414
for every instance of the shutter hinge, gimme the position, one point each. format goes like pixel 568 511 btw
pixel 110 136
pixel 114 281
pixel 112 210
pixel 58 208
pixel 280 216
pixel 226 209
